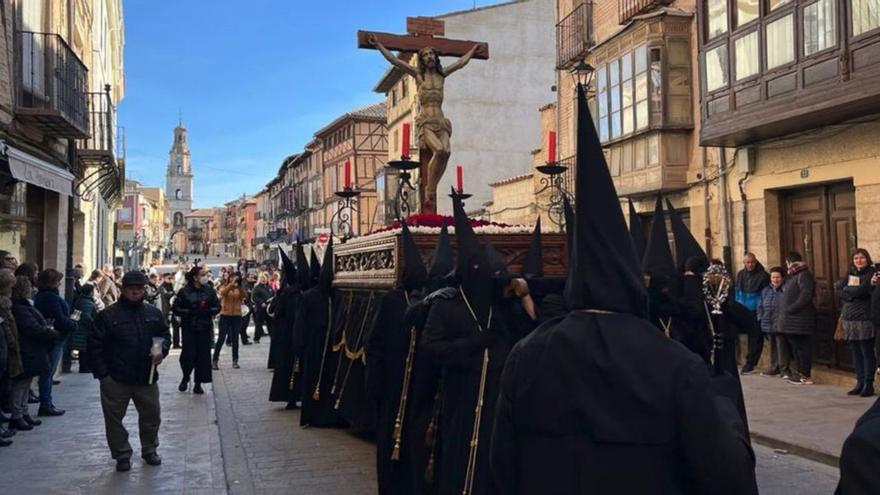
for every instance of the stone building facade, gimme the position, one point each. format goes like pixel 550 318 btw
pixel 179 190
pixel 60 156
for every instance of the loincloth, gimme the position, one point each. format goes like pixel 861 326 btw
pixel 433 124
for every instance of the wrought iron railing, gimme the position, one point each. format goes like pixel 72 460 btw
pixel 568 175
pixel 627 9
pixel 51 77
pixel 574 35
pixel 102 122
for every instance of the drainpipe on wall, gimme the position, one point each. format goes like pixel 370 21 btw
pixel 69 273
pixel 744 211
pixel 707 232
pixel 725 209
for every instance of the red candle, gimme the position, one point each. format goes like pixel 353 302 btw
pixel 404 148
pixel 458 177
pixel 551 147
pixel 347 174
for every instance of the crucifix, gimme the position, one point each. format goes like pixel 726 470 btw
pixel 425 37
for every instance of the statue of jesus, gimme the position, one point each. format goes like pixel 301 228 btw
pixel 434 129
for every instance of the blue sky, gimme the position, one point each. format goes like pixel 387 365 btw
pixel 254 80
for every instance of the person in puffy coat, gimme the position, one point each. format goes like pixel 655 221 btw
pixel 797 316
pixel 854 291
pixel 54 308
pixel 36 338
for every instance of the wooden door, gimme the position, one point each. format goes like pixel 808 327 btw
pixel 820 224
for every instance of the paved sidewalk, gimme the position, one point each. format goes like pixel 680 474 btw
pixel 69 454
pixel 808 420
pixel 264 449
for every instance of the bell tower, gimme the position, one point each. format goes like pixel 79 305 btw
pixel 178 185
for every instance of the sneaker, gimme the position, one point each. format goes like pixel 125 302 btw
pixel 770 373
pixel 747 370
pixel 153 459
pixel 802 381
pixel 235 365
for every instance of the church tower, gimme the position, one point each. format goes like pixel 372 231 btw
pixel 178 183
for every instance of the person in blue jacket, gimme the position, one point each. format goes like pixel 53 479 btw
pixel 750 281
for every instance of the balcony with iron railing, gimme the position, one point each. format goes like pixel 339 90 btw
pixel 50 85
pixel 574 35
pixel 627 9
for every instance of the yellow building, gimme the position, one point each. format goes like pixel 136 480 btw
pixel 154 223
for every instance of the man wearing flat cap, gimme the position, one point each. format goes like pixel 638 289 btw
pixel 129 340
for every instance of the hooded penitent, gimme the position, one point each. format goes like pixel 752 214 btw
pixel 533 264
pixel 443 262
pixel 302 268
pixel 635 231
pixel 657 262
pixel 472 269
pixel 586 398
pixel 314 266
pixel 325 279
pixel 604 273
pixel 288 268
pixel 414 274
pixel 686 246
pixel 391 352
pixel 315 348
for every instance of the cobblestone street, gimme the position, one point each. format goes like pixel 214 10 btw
pixel 231 440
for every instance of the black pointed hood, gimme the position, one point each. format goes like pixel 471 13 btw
pixel 569 229
pixel 302 268
pixel 444 259
pixel 496 262
pixel 658 260
pixel 686 246
pixel 314 266
pixel 325 279
pixel 533 264
pixel 472 268
pixel 636 232
pixel 605 270
pixel 287 267
pixel 414 275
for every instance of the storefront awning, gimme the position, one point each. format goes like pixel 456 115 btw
pixel 28 168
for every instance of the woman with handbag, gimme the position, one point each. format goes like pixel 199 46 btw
pixel 854 291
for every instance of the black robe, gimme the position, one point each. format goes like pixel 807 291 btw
pixel 860 457
pixel 312 345
pixel 388 350
pixel 286 378
pixel 604 403
pixel 351 331
pixel 453 341
pixel 421 431
pixel 694 331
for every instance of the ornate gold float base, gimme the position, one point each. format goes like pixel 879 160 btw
pixel 374 261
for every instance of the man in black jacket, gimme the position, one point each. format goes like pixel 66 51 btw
pixel 129 340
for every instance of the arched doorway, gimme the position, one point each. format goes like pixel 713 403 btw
pixel 178 243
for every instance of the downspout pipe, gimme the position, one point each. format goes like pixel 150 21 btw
pixel 744 211
pixel 725 209
pixel 707 218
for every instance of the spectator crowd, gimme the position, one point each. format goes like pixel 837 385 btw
pixel 43 333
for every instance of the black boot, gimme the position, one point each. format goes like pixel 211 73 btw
pixel 197 389
pixel 868 391
pixel 184 384
pixel 20 424
pixel 857 389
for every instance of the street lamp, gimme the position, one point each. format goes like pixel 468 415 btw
pixel 583 73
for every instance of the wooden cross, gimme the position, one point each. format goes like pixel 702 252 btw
pixel 423 32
